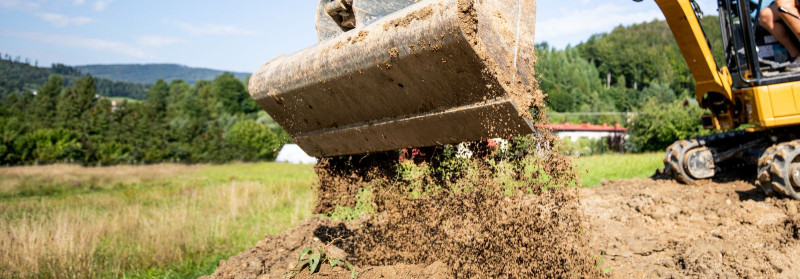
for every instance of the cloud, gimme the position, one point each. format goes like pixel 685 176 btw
pixel 59 20
pixel 213 29
pixel 580 24
pixel 158 41
pixel 25 5
pixel 100 5
pixel 95 44
pixel 79 2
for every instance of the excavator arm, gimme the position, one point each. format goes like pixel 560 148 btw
pixel 685 26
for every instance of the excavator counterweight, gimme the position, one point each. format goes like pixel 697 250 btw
pixel 392 74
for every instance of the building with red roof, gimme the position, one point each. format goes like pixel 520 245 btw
pixel 574 132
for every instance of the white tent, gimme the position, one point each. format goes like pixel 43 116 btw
pixel 293 154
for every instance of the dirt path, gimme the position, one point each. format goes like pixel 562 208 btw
pixel 655 229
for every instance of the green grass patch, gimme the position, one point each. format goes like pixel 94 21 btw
pixel 593 169
pixel 165 221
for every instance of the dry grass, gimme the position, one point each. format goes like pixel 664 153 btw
pixel 157 220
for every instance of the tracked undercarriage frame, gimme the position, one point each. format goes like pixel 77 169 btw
pixel 775 155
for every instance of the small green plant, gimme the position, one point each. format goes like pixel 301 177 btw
pixel 601 259
pixel 313 260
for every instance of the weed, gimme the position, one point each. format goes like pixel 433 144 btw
pixel 312 260
pixel 600 260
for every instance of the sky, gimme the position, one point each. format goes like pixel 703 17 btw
pixel 235 35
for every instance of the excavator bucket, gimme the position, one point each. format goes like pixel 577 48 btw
pixel 392 74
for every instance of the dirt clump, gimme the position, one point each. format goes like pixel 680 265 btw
pixel 421 14
pixel 646 228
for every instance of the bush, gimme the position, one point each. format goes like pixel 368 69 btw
pixel 657 125
pixel 255 141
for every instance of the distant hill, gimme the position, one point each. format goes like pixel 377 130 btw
pixel 150 73
pixel 17 76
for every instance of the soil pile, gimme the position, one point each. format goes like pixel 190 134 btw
pixel 436 214
pixel 661 229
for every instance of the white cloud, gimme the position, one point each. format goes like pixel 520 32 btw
pixel 79 2
pixel 561 30
pixel 25 5
pixel 158 41
pixel 95 44
pixel 100 5
pixel 59 20
pixel 213 29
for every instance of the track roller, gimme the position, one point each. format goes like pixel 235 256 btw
pixel 688 161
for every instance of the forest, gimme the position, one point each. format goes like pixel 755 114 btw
pixel 212 121
pixel 636 69
pixel 18 76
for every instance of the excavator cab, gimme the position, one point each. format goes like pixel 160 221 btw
pixel 753 55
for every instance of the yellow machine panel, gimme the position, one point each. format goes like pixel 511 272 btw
pixel 775 105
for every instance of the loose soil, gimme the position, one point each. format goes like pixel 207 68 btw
pixel 649 228
pixel 640 228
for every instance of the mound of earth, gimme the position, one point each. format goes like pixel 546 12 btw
pixel 274 256
pixel 647 228
pixel 471 235
pixel 640 228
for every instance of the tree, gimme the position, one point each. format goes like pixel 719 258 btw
pixel 254 141
pixel 74 104
pixel 44 106
pixel 231 95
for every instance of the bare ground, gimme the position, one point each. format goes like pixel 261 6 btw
pixel 640 228
pixel 660 229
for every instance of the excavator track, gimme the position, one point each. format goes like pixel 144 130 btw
pixel 688 161
pixel 776 155
pixel 779 170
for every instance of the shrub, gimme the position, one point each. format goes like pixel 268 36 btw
pixel 255 141
pixel 657 125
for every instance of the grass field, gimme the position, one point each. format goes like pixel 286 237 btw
pixel 170 221
pixel 593 169
pixel 166 221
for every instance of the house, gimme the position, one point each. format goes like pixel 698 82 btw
pixel 574 132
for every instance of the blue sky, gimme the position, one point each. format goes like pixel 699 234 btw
pixel 234 35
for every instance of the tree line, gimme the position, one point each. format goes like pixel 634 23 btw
pixel 18 76
pixel 637 68
pixel 212 121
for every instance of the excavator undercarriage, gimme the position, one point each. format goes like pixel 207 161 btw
pixel 776 153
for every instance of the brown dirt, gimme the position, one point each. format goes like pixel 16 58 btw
pixel 661 229
pixel 640 228
pixel 471 235
pixel 421 14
